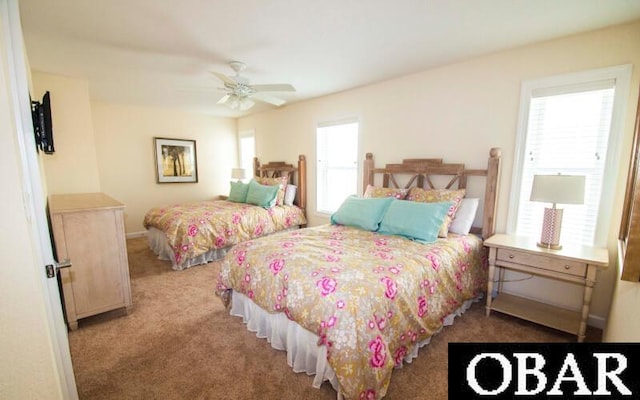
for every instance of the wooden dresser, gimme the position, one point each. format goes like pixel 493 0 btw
pixel 88 229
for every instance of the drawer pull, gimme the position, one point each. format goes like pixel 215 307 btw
pixel 511 256
pixel 567 267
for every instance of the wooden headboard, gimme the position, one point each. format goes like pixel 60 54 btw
pixel 297 176
pixel 421 172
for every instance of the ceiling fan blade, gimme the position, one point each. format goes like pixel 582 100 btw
pixel 224 78
pixel 265 98
pixel 223 99
pixel 276 87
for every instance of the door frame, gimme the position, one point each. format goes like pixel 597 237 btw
pixel 33 193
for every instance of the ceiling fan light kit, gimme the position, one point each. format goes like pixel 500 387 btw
pixel 240 94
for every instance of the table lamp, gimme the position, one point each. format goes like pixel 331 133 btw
pixel 238 173
pixel 555 189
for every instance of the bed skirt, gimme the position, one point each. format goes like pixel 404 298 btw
pixel 158 244
pixel 303 352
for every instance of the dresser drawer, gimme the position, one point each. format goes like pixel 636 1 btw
pixel 543 262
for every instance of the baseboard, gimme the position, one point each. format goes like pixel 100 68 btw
pixel 596 321
pixel 133 235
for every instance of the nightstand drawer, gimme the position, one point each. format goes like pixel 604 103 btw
pixel 543 262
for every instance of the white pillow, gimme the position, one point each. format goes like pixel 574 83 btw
pixel 290 194
pixel 464 217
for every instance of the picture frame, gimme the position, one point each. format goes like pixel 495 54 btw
pixel 176 160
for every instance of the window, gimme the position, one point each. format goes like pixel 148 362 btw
pixel 247 151
pixel 337 172
pixel 570 125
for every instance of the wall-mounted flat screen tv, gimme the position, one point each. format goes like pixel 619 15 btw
pixel 42 125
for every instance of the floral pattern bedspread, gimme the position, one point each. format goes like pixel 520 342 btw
pixel 194 228
pixel 369 297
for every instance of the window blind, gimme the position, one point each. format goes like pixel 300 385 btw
pixel 567 133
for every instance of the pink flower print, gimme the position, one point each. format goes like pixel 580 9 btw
pixel 368 394
pixel 288 313
pixel 435 262
pixel 240 257
pixel 466 246
pixel 422 306
pixel 314 273
pixel 229 232
pixel 287 221
pixel 250 294
pixel 288 245
pixel 335 270
pixel 192 230
pixel 394 270
pixel 379 356
pixel 381 242
pixel 381 323
pixel 276 265
pixel 220 242
pixel 463 266
pixel 458 281
pixel 177 256
pixel 332 321
pixel 379 269
pixel 185 247
pixel 340 304
pixel 399 354
pixel 236 218
pixel 384 255
pixel 390 287
pixel 270 211
pixel 247 278
pixel 259 229
pixel 331 258
pixel 326 285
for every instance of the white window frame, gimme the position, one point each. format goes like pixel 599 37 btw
pixel 242 163
pixel 345 121
pixel 622 76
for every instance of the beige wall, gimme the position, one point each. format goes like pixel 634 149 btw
pixel 73 168
pixel 109 148
pixel 125 151
pixel 459 112
pixel 623 324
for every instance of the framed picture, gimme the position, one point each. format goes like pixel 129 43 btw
pixel 176 160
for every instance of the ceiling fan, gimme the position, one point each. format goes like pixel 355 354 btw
pixel 240 94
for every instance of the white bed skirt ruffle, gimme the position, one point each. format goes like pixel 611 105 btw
pixel 303 352
pixel 158 244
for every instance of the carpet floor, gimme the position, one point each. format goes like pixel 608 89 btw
pixel 178 342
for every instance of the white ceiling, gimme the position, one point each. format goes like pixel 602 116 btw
pixel 160 52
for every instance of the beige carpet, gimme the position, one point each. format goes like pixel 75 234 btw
pixel 178 342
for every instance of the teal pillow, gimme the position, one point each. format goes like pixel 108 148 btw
pixel 238 192
pixel 262 195
pixel 414 220
pixel 361 213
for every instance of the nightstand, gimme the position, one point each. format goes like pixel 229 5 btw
pixel 572 263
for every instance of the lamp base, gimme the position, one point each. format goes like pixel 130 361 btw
pixel 549 246
pixel 551 225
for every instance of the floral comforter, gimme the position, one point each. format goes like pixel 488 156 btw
pixel 194 228
pixel 369 297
